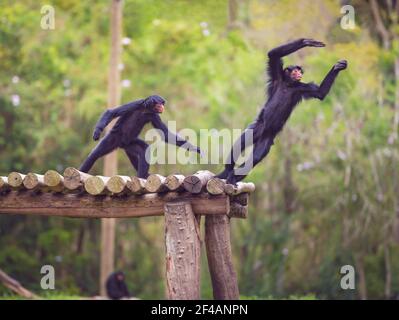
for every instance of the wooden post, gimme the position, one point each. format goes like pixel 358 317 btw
pixel 183 245
pixel 111 160
pixel 218 250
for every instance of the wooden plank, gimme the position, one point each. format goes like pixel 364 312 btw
pixel 105 206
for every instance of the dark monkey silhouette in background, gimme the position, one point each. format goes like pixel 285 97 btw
pixel 124 134
pixel 116 286
pixel 285 91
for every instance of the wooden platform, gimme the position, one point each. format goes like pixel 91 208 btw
pixel 80 195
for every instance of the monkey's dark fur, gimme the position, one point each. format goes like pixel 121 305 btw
pixel 124 134
pixel 284 93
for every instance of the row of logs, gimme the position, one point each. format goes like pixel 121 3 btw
pixel 75 181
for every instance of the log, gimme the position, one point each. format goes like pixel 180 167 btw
pixel 75 179
pixel 54 181
pixel 241 199
pixel 197 182
pixel 33 181
pixel 83 205
pixel 215 186
pixel 155 183
pixel 218 250
pixel 96 185
pixel 242 187
pixel 15 180
pixel 174 182
pixel 238 211
pixel 183 246
pixel 136 185
pixel 4 186
pixel 15 286
pixel 118 184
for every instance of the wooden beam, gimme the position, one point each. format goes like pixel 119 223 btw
pixel 215 186
pixel 197 182
pixel 136 185
pixel 4 186
pixel 118 184
pixel 97 185
pixel 155 183
pixel 183 246
pixel 174 182
pixel 105 206
pixel 75 179
pixel 242 187
pixel 218 250
pixel 15 180
pixel 34 181
pixel 54 181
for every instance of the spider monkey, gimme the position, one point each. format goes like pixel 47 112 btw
pixel 124 134
pixel 285 91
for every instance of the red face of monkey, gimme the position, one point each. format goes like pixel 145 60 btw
pixel 296 74
pixel 159 108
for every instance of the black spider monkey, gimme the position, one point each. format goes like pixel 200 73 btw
pixel 116 286
pixel 124 134
pixel 285 91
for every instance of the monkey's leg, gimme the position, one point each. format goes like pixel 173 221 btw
pixel 134 159
pixel 239 146
pixel 261 149
pixel 105 146
pixel 137 150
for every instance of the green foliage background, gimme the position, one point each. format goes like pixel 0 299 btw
pixel 327 194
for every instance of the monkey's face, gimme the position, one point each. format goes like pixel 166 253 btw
pixel 159 108
pixel 296 74
pixel 155 104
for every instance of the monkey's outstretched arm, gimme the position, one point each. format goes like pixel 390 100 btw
pixel 275 65
pixel 320 92
pixel 110 114
pixel 170 137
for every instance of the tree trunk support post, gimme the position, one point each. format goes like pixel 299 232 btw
pixel 220 262
pixel 183 246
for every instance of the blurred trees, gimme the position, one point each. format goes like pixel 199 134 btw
pixel 326 194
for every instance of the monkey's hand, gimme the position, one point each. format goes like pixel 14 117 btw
pixel 313 43
pixel 96 134
pixel 341 65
